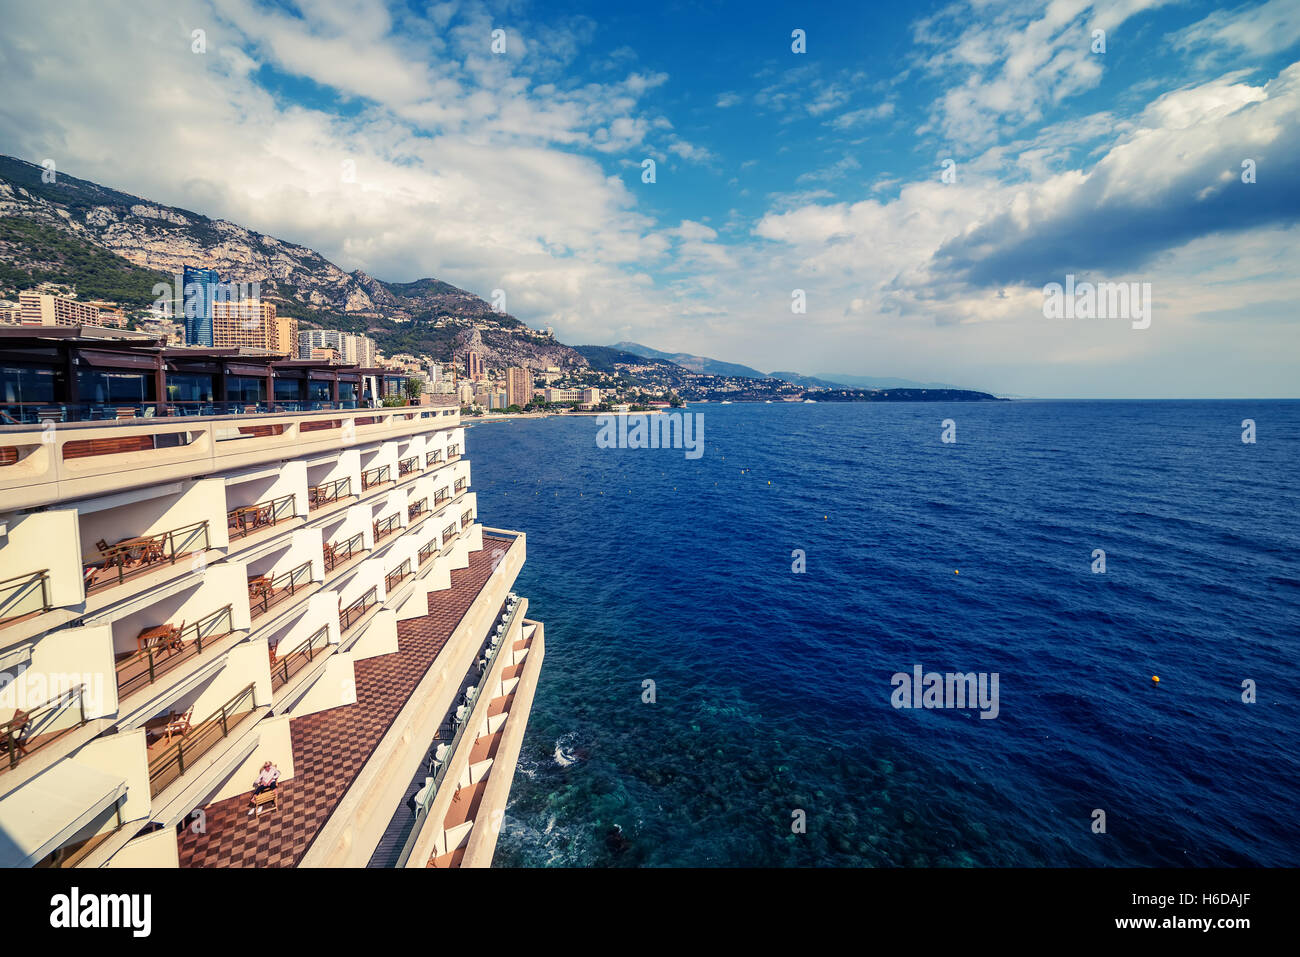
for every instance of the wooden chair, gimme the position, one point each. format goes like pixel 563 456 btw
pixel 331 556
pixel 267 797
pixel 16 737
pixel 178 724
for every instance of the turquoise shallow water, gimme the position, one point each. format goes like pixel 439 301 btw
pixel 773 688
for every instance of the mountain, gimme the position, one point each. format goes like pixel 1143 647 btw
pixel 700 364
pixel 887 382
pixel 65 227
pixel 808 381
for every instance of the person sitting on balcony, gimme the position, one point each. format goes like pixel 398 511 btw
pixel 266 781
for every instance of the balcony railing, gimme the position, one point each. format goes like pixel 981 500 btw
pixel 265 592
pixel 428 551
pixel 140 668
pixel 459 486
pixel 387 526
pixel 17 413
pixel 319 496
pixel 25 595
pixel 453 452
pixel 249 518
pixel 448 534
pixel 407 466
pixel 376 476
pixel 466 520
pixel 352 614
pixel 282 669
pixel 417 508
pixel 135 556
pixel 433 458
pixel 440 769
pixel 29 731
pixel 440 496
pixel 169 762
pixel 398 575
pixel 336 555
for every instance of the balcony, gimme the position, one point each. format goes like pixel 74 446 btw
pixel 460 485
pixel 466 520
pixel 29 731
pixel 319 496
pixel 266 591
pixel 282 669
pixel 433 458
pixel 416 509
pixel 385 527
pixel 448 534
pixel 25 595
pixel 246 519
pixel 354 612
pixel 441 496
pixel 338 555
pixel 453 453
pixel 161 649
pixel 408 466
pixel 428 551
pixel 376 476
pixel 178 743
pixel 130 557
pixel 397 576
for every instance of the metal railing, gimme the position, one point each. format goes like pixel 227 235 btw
pixel 336 555
pixel 387 526
pixel 139 555
pixel 18 413
pixel 440 772
pixel 22 734
pixel 417 508
pixel 407 466
pixel 321 495
pixel 433 458
pixel 147 666
pixel 170 763
pixel 448 534
pixel 249 518
pixel 17 594
pixel 282 586
pixel 427 552
pixel 282 669
pixel 466 520
pixel 459 486
pixel 453 452
pixel 350 615
pixel 396 577
pixel 440 496
pixel 376 476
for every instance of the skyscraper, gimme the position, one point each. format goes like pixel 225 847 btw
pixel 199 289
pixel 519 386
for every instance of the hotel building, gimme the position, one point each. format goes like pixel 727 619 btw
pixel 190 591
pixel 46 309
pixel 519 386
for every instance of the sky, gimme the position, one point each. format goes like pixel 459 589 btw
pixel 914 174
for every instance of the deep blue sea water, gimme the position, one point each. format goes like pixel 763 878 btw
pixel 773 688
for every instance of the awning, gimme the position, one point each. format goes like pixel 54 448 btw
pixel 48 811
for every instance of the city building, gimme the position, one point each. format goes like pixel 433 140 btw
pixel 47 309
pixel 249 323
pixel 474 367
pixel 562 395
pixel 519 386
pixel 350 347
pixel 184 598
pixel 286 338
pixel 110 313
pixel 198 294
pixel 591 397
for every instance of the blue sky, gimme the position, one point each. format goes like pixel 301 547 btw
pixel 776 171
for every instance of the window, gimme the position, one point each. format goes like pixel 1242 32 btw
pixel 109 387
pixel 189 387
pixel 250 390
pixel 18 384
pixel 288 390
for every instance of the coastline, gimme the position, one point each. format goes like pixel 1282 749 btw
pixel 505 416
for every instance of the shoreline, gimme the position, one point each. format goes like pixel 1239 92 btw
pixel 507 416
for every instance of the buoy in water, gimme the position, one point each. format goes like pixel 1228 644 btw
pixel 1156 679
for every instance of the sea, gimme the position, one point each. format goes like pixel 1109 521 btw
pixel 724 632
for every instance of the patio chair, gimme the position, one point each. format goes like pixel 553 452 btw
pixel 16 737
pixel 178 724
